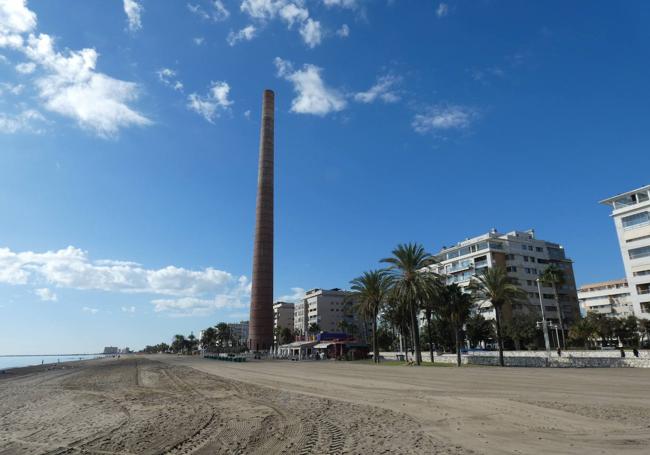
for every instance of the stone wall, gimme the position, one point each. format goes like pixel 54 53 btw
pixel 537 359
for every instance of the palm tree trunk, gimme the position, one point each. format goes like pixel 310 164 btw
pixel 559 314
pixel 497 311
pixel 430 335
pixel 416 335
pixel 457 330
pixel 375 348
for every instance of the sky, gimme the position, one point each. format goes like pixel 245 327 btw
pixel 129 134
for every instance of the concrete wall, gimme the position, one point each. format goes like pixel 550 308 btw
pixel 536 359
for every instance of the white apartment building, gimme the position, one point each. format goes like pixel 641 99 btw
pixel 631 214
pixel 327 308
pixel 525 258
pixel 282 316
pixel 239 332
pixel 611 298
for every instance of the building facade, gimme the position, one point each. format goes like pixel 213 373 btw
pixel 331 310
pixel 282 317
pixel 525 258
pixel 631 214
pixel 611 298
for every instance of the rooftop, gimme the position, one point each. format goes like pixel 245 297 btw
pixel 611 200
pixel 603 284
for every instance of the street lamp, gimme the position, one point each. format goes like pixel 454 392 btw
pixel 544 327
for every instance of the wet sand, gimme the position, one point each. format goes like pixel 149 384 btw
pixel 140 406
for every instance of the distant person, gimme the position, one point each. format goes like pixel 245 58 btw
pixel 635 351
pixel 559 352
pixel 622 353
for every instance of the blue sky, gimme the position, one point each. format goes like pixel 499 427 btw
pixel 129 135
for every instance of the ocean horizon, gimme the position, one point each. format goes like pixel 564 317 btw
pixel 17 361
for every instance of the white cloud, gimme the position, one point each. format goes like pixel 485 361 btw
pixel 217 13
pixel 311 33
pixel 27 121
pixel 342 3
pixel 26 67
pixel 15 19
pixel 210 105
pixel 187 291
pixel 382 90
pixel 128 309
pixel 14 89
pixel 245 34
pixel 290 12
pixel 133 11
pixel 71 86
pixel 443 117
pixel 168 77
pixel 442 10
pixel 344 31
pixel 90 310
pixel 199 40
pixel 297 294
pixel 46 294
pixel 313 96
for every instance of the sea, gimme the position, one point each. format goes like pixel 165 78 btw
pixel 15 361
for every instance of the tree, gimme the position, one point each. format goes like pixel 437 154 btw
pixel 432 306
pixel 371 291
pixel 626 330
pixel 191 342
pixel 459 306
pixel 397 316
pixel 554 276
pixel 286 335
pixel 495 286
pixel 224 335
pixel 522 330
pixel 209 338
pixel 582 332
pixel 178 344
pixel 478 329
pixel 644 328
pixel 412 283
pixel 313 328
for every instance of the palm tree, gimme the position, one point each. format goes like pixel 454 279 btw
pixel 554 276
pixel 313 328
pixel 223 334
pixel 433 305
pixel 178 343
pixel 209 338
pixel 495 286
pixel 371 290
pixel 412 283
pixel 459 307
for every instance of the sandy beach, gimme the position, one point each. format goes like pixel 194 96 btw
pixel 180 405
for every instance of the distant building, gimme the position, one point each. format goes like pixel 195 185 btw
pixel 332 310
pixel 631 214
pixel 239 332
pixel 110 350
pixel 524 257
pixel 282 316
pixel 611 298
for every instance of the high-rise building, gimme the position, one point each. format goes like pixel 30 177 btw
pixel 631 214
pixel 282 316
pixel 331 310
pixel 611 298
pixel 524 257
pixel 261 311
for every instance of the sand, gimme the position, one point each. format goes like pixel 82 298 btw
pixel 180 405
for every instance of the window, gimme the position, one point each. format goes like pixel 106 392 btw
pixel 525 258
pixel 524 247
pixel 529 282
pixel 511 269
pixel 549 296
pixel 642 273
pixel 636 220
pixel 527 270
pixel 638 253
pixel 530 247
pixel 539 249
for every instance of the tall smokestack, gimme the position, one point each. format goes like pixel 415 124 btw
pixel 260 336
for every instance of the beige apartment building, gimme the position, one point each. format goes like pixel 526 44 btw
pixel 282 316
pixel 631 214
pixel 524 257
pixel 330 309
pixel 611 298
